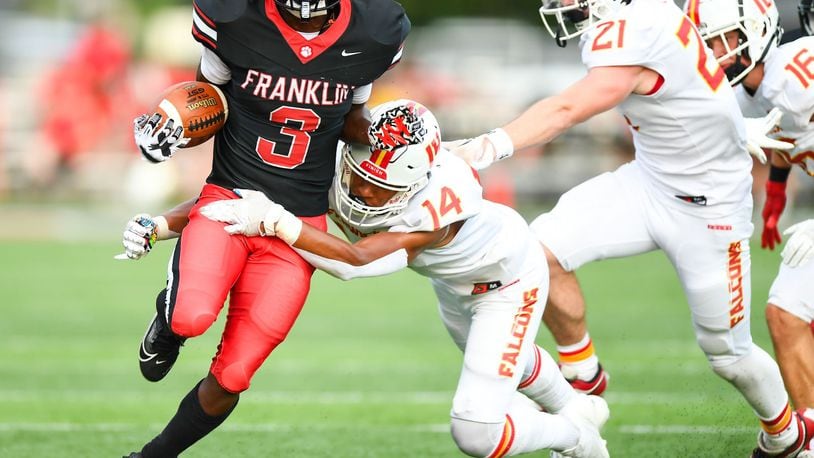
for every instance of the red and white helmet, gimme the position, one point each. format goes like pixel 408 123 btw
pixel 566 19
pixel 404 169
pixel 756 21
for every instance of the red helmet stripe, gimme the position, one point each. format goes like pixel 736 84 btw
pixel 692 12
pixel 381 157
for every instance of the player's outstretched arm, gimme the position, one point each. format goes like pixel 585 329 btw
pixel 255 214
pixel 368 249
pixel 602 89
pixel 143 231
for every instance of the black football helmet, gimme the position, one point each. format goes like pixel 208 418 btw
pixel 305 10
pixel 806 11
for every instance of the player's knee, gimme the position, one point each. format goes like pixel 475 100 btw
pixel 194 313
pixel 234 378
pixel 715 345
pixel 474 438
pixel 718 341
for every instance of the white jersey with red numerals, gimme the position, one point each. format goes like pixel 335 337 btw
pixel 788 84
pixel 688 133
pixel 492 247
pixel 491 283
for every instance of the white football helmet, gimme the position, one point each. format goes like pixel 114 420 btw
pixel 305 10
pixel 756 21
pixel 566 19
pixel 404 169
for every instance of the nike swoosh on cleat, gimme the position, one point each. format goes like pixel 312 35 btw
pixel 345 53
pixel 160 362
pixel 144 355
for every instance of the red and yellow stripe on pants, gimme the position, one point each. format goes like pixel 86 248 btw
pixel 506 440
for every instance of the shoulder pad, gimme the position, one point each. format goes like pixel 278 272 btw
pixel 386 21
pixel 222 10
pixel 786 85
pixel 453 194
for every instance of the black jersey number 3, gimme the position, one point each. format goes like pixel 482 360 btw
pixel 300 137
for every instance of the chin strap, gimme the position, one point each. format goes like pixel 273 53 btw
pixel 559 39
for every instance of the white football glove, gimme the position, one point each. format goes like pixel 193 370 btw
pixel 157 144
pixel 483 150
pixel 757 130
pixel 799 247
pixel 139 237
pixel 246 214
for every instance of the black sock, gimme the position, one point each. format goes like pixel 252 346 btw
pixel 188 426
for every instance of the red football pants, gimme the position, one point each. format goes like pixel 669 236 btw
pixel 267 283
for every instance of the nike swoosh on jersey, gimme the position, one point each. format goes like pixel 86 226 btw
pixel 345 53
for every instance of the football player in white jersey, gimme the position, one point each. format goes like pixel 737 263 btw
pixel 420 207
pixel 687 192
pixel 743 36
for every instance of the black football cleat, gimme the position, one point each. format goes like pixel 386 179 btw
pixel 158 350
pixel 133 455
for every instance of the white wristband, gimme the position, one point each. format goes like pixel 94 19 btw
pixel 288 228
pixel 163 231
pixel 502 143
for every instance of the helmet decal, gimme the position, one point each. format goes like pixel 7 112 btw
pixel 398 126
pixel 378 162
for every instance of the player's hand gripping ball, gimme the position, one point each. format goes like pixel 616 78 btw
pixel 187 114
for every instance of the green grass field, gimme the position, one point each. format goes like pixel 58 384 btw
pixel 367 372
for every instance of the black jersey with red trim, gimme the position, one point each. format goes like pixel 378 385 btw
pixel 288 96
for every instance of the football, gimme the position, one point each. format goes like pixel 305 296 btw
pixel 200 107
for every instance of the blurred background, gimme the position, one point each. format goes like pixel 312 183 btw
pixel 76 72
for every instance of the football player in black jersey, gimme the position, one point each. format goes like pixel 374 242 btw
pixel 296 76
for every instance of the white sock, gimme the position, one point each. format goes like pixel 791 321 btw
pixel 544 384
pixel 535 430
pixel 757 377
pixel 779 441
pixel 579 360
